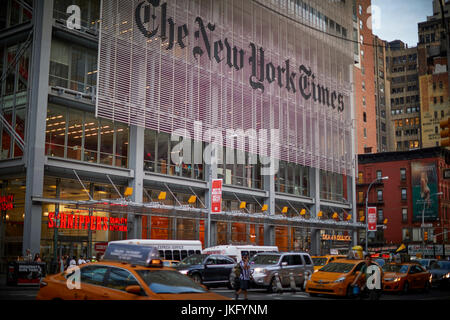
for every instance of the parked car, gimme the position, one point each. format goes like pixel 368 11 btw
pixel 170 263
pixel 320 261
pixel 266 266
pixel 440 274
pixel 426 263
pixel 123 274
pixel 209 270
pixel 336 278
pixel 402 277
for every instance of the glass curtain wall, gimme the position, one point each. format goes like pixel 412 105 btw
pixel 78 135
pixel 73 67
pixel 13 97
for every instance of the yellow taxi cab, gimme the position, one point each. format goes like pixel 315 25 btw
pixel 126 272
pixel 401 277
pixel 170 263
pixel 320 261
pixel 336 278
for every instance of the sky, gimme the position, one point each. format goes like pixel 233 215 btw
pixel 398 19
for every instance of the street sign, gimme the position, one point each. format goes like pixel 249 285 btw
pixel 372 218
pixel 216 195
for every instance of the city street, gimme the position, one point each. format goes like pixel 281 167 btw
pixel 29 293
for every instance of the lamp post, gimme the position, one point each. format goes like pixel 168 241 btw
pixel 367 200
pixel 423 222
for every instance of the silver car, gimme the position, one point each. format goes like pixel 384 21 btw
pixel 284 269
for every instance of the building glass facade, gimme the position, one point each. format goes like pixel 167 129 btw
pixel 89 154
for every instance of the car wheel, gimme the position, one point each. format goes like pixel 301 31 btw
pixel 272 286
pixel 197 278
pixel 405 288
pixel 427 287
pixel 350 292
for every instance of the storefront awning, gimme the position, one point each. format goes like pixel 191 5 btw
pixel 119 206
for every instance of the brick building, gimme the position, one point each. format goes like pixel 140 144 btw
pixel 364 79
pixel 399 199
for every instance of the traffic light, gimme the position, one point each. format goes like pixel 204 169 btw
pixel 445 132
pixel 425 235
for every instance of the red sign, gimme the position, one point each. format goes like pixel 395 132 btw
pixel 372 218
pixel 6 202
pixel 101 246
pixel 216 195
pixel 75 221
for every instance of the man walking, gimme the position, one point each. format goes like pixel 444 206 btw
pixel 244 277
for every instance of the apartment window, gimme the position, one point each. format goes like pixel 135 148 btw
pixel 404 214
pixel 379 174
pixel 380 216
pixel 360 197
pixel 364 117
pixel 403 194
pixel 380 195
pixel 403 174
pixel 360 177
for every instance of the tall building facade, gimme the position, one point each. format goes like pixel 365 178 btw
pixel 382 95
pixel 364 78
pixel 115 129
pixel 433 73
pixel 401 63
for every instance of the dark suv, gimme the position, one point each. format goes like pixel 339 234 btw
pixel 210 270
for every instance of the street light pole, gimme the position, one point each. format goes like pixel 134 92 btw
pixel 367 201
pixel 423 223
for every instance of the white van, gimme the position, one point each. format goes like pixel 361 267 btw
pixel 236 251
pixel 169 249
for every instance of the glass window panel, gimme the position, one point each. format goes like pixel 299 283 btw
pixel 19 127
pixel 74 134
pixel 149 150
pixel 55 131
pixel 121 145
pixel 163 143
pixel 91 129
pixel 78 70
pixel 106 141
pixel 59 64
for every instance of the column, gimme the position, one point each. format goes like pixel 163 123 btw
pixel 136 163
pixel 210 226
pixel 314 179
pixel 269 230
pixel 36 121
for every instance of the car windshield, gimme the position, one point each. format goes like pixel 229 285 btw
pixel 319 261
pixel 424 263
pixel 338 267
pixel 193 260
pixel 169 281
pixel 265 259
pixel 398 268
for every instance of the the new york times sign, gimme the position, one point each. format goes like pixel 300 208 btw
pixel 263 73
pixel 227 65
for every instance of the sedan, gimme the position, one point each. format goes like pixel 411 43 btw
pixel 209 270
pixel 403 277
pixel 440 274
pixel 122 281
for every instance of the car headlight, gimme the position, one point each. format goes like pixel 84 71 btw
pixel 184 271
pixel 392 279
pixel 259 271
pixel 446 276
pixel 341 279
